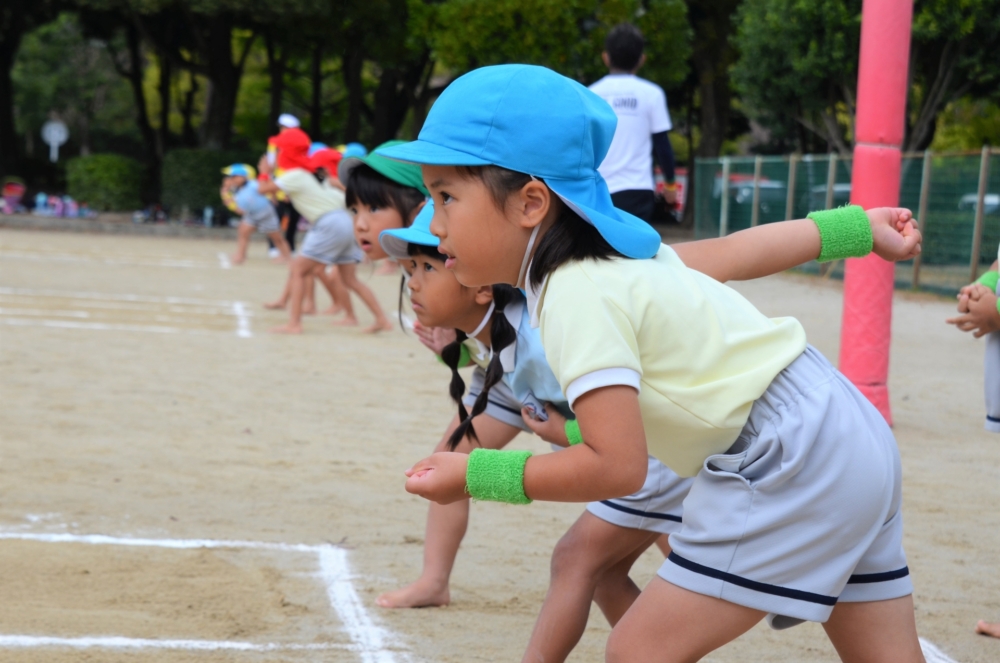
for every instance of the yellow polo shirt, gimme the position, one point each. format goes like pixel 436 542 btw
pixel 698 352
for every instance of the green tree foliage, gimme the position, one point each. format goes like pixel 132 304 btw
pixel 798 64
pixel 61 73
pixel 105 181
pixel 565 35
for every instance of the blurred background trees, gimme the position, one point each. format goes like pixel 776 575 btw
pixel 142 78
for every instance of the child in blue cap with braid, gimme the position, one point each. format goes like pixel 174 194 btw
pixel 794 511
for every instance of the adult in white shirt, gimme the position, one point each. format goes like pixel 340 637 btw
pixel 643 124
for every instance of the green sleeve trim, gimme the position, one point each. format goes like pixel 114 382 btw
pixel 497 476
pixel 573 432
pixel 464 356
pixel 844 232
pixel 989 279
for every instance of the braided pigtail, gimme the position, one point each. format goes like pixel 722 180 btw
pixel 451 355
pixel 502 334
pixel 399 307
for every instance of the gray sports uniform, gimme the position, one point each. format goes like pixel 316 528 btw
pixel 803 510
pixel 992 370
pixel 657 507
pixel 331 240
pixel 265 221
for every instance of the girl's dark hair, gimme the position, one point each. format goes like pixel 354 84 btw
pixel 451 353
pixel 569 239
pixel 502 334
pixel 370 187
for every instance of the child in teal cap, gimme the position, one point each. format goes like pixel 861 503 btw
pixel 794 511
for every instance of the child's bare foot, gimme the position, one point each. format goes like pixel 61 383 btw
pixel 333 310
pixel 418 595
pixel 277 305
pixel 348 321
pixel 287 329
pixel 379 326
pixel 237 260
pixel 983 627
pixel 309 309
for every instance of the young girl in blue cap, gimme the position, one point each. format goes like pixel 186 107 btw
pixel 794 512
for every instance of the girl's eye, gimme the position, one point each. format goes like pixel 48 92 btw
pixel 353 210
pixel 428 267
pixel 372 209
pixel 413 264
pixel 445 198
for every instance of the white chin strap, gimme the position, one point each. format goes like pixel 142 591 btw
pixel 486 320
pixel 527 257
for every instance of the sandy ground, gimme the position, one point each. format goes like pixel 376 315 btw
pixel 130 405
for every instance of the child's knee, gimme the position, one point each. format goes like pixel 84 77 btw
pixel 569 558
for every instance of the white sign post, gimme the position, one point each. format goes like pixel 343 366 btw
pixel 54 133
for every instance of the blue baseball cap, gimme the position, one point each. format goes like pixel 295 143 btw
pixel 240 170
pixel 534 121
pixel 354 150
pixel 316 147
pixel 394 242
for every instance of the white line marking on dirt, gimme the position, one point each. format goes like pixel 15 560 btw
pixel 101 326
pixel 934 655
pixel 118 642
pixel 242 320
pixel 113 297
pixel 370 638
pixel 53 257
pixel 37 311
pixel 224 261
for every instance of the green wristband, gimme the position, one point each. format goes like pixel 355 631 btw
pixel 573 432
pixel 844 232
pixel 464 357
pixel 497 476
pixel 989 279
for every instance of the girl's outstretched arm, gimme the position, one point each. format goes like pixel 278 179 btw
pixel 775 247
pixel 611 461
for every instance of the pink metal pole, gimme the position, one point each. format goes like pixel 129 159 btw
pixel 868 282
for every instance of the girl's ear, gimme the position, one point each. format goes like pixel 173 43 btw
pixel 413 214
pixel 484 295
pixel 534 202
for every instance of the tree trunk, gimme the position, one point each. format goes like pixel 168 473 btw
pixel 276 70
pixel 352 61
pixel 8 133
pixel 711 58
pixel 316 107
pixel 163 138
pixel 135 76
pixel 224 83
pixel 188 135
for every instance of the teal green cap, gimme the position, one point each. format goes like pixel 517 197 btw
pixel 404 174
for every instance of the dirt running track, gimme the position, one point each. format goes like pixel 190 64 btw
pixel 141 397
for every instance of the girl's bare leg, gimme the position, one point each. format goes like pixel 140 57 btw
pixel 243 233
pixel 616 591
pixel 382 323
pixel 667 624
pixel 278 239
pixel 338 292
pixel 583 556
pixel 875 631
pixel 282 301
pixel 309 294
pixel 301 268
pixel 446 525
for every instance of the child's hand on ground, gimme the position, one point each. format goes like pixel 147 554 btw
pixel 439 478
pixel 552 431
pixel 894 233
pixel 979 306
pixel 436 339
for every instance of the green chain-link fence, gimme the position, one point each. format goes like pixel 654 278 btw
pixel 943 190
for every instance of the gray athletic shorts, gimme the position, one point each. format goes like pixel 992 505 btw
pixel 803 510
pixel 501 403
pixel 993 380
pixel 657 507
pixel 331 240
pixel 266 221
